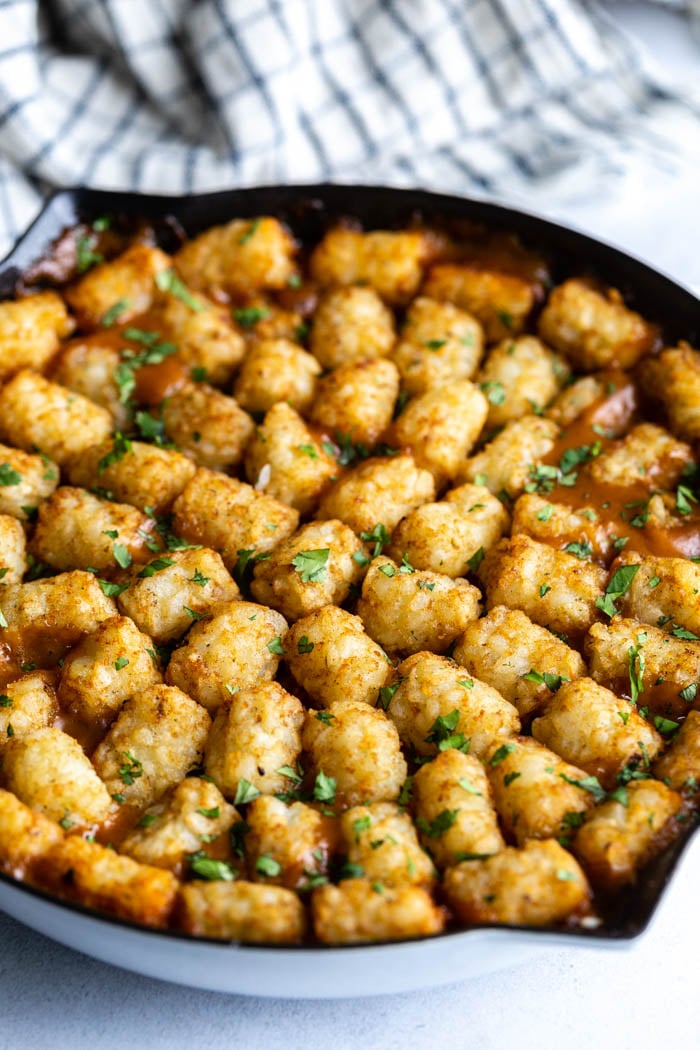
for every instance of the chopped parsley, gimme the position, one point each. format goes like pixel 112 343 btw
pixel 476 559
pixel 590 784
pixel 85 255
pixel 120 663
pixel 212 870
pixel 379 536
pixel 636 664
pixel 439 825
pixel 248 316
pixel 275 646
pixel 501 754
pixel 579 550
pixel 245 792
pixel 157 565
pixel 495 392
pixel 685 497
pixel 111 316
pixel 131 768
pixel 618 586
pixel 386 693
pixel 250 232
pixel 304 645
pixel 324 788
pixel 552 681
pixel 112 590
pixel 442 733
pixel 9 476
pixel 311 565
pixel 268 866
pixel 168 281
pixel 120 447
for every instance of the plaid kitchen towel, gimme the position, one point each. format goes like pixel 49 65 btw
pixel 532 101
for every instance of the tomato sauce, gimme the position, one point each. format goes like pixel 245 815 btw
pixel 621 510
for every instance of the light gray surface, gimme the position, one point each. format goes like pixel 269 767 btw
pixel 53 998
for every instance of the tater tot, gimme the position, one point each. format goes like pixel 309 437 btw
pixel 594 330
pixel 87 366
pixel 406 610
pixel 38 414
pixel 648 454
pixel 157 737
pixel 439 344
pixel 48 769
pixel 444 537
pixel 256 732
pixel 575 399
pixel 165 597
pixel 381 839
pixel 191 813
pixel 230 516
pixel 595 730
pixel 25 836
pixel 560 525
pixel 505 464
pixel 390 263
pixel 331 657
pixel 242 911
pixel 209 426
pixel 239 648
pixel 671 602
pixel 555 589
pixel 538 885
pixel 315 567
pixel 623 834
pixel 13 556
pixel 674 378
pixel 133 472
pixel 128 280
pixel 500 301
pixel 441 426
pixel 679 766
pixel 382 490
pixel 666 674
pixel 276 370
pixel 513 654
pixel 76 530
pixel 356 400
pixel 241 258
pixel 431 700
pixel 537 794
pixel 31 330
pixel 206 338
pixel 454 809
pixel 358 747
pixel 351 324
pixel 284 461
pixel 359 911
pixel 100 878
pixel 286 845
pixel 107 666
pixel 27 480
pixel 520 376
pixel 45 617
pixel 27 704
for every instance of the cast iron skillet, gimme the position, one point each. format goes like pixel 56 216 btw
pixel 309 210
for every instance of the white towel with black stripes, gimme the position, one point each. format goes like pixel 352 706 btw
pixel 534 101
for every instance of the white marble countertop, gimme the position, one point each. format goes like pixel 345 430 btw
pixel 647 996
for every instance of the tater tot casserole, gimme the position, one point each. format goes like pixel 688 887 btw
pixel 349 590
